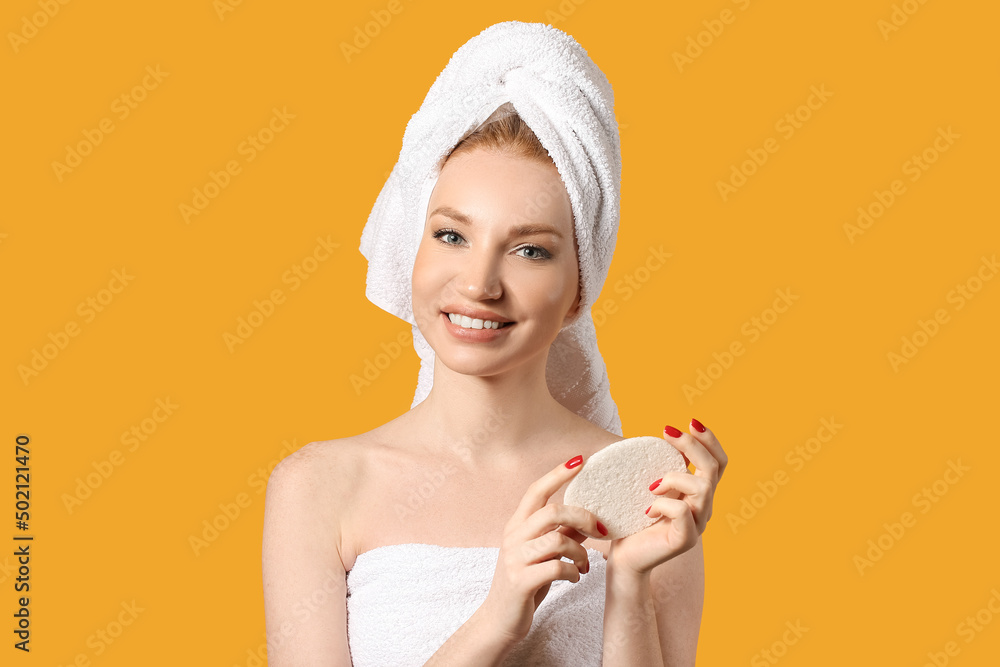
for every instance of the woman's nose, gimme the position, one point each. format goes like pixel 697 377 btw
pixel 481 280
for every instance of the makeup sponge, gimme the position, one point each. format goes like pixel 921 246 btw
pixel 614 483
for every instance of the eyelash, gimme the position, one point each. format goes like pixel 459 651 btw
pixel 545 254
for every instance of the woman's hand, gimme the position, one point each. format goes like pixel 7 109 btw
pixel 535 539
pixel 682 499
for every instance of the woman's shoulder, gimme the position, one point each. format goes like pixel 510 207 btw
pixel 598 437
pixel 323 468
pixel 309 496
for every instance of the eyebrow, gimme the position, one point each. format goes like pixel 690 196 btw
pixel 517 230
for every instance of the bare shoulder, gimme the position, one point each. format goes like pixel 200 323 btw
pixel 301 554
pixel 314 461
pixel 321 473
pixel 597 437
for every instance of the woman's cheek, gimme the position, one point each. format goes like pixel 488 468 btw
pixel 421 298
pixel 547 298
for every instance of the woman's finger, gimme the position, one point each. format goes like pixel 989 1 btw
pixel 543 488
pixel 697 492
pixel 704 462
pixel 705 436
pixel 682 523
pixel 671 508
pixel 685 482
pixel 554 546
pixel 555 515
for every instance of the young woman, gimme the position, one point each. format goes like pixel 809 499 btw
pixel 496 277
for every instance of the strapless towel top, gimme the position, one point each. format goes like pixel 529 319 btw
pixel 405 600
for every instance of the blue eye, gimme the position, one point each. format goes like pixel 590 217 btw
pixel 541 253
pixel 447 232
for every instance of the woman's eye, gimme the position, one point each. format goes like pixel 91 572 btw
pixel 535 252
pixel 446 235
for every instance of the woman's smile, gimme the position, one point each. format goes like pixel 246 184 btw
pixel 474 331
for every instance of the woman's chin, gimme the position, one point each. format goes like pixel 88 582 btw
pixel 469 362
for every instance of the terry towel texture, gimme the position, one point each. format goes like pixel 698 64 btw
pixel 550 81
pixel 405 600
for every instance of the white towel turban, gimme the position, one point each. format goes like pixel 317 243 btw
pixel 551 82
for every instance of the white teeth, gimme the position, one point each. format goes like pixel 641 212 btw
pixel 469 323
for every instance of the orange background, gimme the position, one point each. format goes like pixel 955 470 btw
pixel 684 127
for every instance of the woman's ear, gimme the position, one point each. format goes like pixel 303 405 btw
pixel 574 310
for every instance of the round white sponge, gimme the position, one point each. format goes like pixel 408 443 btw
pixel 614 483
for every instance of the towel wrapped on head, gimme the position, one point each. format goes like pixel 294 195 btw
pixel 547 78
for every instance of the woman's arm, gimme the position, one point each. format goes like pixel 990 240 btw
pixel 678 590
pixel 630 635
pixel 670 552
pixel 305 589
pixel 474 644
pixel 655 620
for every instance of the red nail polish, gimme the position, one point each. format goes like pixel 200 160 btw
pixel 655 484
pixel 686 461
pixel 697 426
pixel 575 461
pixel 649 508
pixel 600 527
pixel 671 431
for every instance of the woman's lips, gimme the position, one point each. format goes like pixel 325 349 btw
pixel 475 335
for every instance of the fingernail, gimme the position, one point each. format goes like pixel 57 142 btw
pixel 655 484
pixel 575 461
pixel 600 527
pixel 686 461
pixel 671 431
pixel 649 508
pixel 697 426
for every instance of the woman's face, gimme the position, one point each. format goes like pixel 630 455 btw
pixel 498 237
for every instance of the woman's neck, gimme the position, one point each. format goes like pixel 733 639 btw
pixel 501 417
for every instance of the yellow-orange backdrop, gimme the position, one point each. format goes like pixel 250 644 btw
pixel 825 168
